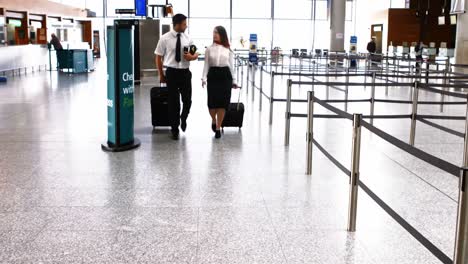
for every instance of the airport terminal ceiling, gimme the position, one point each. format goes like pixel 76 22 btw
pixel 274 20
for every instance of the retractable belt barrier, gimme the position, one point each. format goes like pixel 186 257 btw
pixel 358 122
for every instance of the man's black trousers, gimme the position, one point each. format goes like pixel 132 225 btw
pixel 179 84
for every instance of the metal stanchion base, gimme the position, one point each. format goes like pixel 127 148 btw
pixel 112 148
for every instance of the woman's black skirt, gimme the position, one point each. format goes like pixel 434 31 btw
pixel 219 85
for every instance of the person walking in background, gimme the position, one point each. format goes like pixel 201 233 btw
pixel 371 46
pixel 418 50
pixel 218 76
pixel 173 47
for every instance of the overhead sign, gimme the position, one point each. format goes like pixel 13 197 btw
pixel 140 7
pixel 125 11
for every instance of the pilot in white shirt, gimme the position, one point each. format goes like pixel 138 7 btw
pixel 173 49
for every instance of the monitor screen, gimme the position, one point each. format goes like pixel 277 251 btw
pixel 140 8
pixel 442 20
pixel 453 19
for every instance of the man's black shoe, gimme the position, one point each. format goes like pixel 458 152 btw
pixel 183 124
pixel 175 134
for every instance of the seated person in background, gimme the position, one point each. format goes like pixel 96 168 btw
pixel 55 42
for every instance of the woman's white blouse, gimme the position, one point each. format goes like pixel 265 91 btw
pixel 219 56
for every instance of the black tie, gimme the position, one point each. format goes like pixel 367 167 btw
pixel 177 53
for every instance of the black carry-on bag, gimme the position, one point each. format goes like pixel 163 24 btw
pixel 234 114
pixel 159 106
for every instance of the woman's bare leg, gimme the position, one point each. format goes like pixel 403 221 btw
pixel 213 116
pixel 220 112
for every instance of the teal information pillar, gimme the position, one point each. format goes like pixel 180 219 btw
pixel 120 87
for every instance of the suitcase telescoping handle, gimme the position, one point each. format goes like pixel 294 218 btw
pixel 238 99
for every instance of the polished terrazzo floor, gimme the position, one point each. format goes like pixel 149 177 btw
pixel 241 199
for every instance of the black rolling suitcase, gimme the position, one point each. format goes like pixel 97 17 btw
pixel 234 114
pixel 159 106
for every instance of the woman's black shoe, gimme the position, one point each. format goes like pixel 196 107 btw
pixel 218 134
pixel 213 127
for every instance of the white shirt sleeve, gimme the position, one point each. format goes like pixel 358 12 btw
pixel 161 48
pixel 190 41
pixel 206 68
pixel 231 67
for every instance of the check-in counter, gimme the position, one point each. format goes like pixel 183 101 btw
pixel 22 58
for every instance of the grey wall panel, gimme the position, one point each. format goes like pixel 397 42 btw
pixel 149 37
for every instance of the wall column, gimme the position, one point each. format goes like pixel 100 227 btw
pixel 461 41
pixel 337 24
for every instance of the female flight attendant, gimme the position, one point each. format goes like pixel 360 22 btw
pixel 219 76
